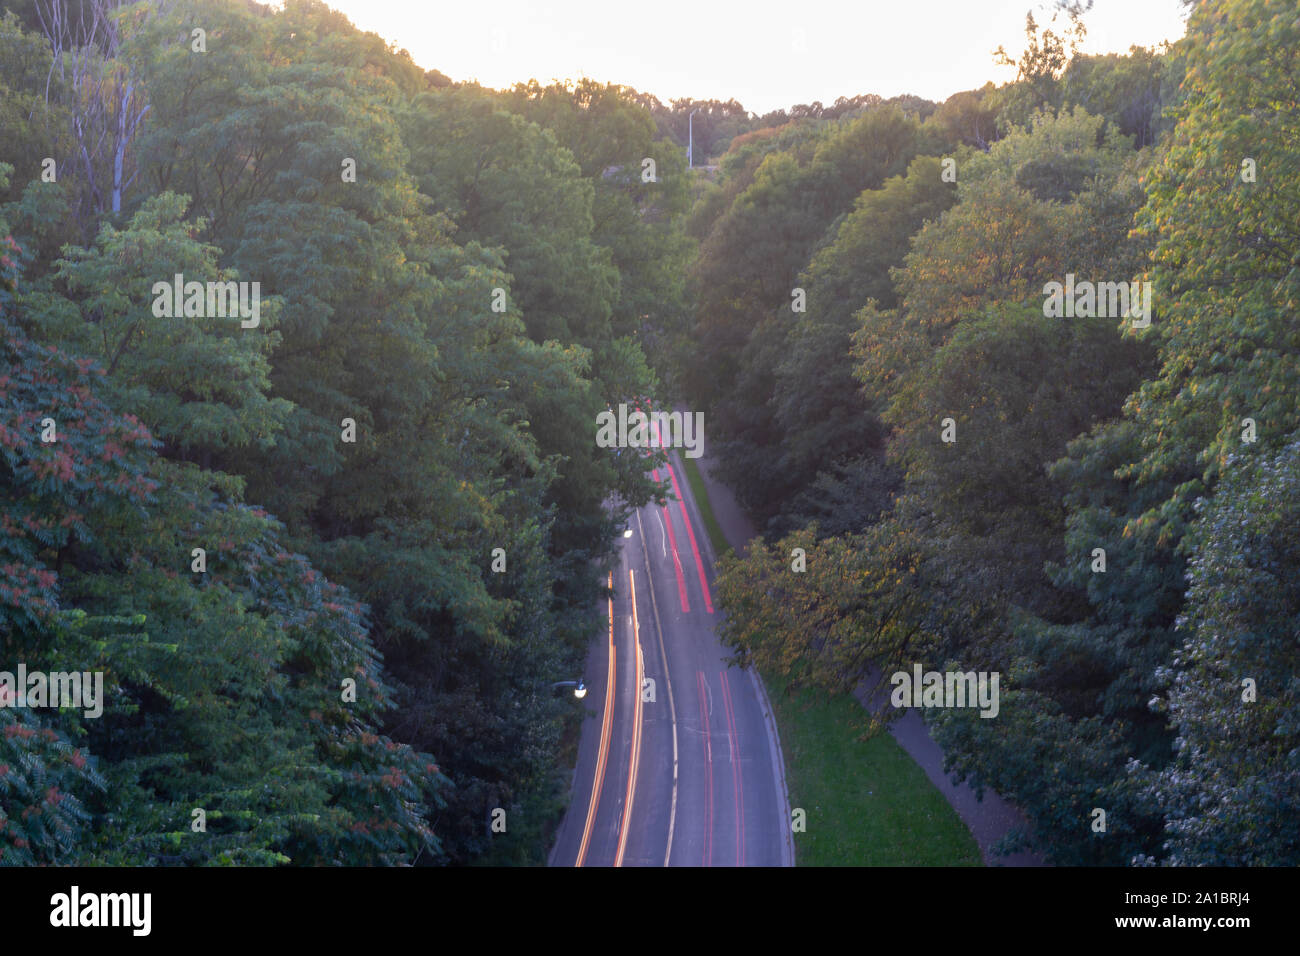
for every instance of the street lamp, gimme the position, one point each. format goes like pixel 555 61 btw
pixel 579 688
pixel 690 138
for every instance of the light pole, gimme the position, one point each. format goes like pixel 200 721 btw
pixel 690 138
pixel 579 688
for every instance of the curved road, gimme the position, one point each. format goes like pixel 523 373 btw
pixel 687 771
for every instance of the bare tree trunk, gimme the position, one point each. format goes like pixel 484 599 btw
pixel 103 92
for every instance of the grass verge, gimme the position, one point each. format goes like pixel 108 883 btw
pixel 867 802
pixel 719 540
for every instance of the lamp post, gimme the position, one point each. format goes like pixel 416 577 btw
pixel 690 138
pixel 579 688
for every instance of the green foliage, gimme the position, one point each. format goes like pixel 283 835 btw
pixel 987 555
pixel 225 688
pixel 473 431
pixel 1232 794
pixel 1224 261
pixel 1046 55
pixel 748 268
pixel 823 418
pixel 855 608
pixel 51 488
pixel 31 128
pixel 108 313
pixel 636 219
pixel 1129 91
pixel 968 118
pixel 42 819
pixel 504 181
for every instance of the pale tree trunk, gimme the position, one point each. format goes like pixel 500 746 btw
pixel 103 93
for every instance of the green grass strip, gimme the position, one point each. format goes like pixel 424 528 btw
pixel 721 545
pixel 867 802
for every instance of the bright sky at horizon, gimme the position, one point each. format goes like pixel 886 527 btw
pixel 765 54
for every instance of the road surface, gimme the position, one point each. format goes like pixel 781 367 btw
pixel 687 771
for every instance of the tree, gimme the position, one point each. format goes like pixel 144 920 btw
pixel 217 680
pixel 1231 795
pixel 969 117
pixel 746 275
pixel 1129 91
pixel 1043 61
pixel 819 410
pixel 107 101
pixel 107 310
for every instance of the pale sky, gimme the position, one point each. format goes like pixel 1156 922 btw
pixel 766 54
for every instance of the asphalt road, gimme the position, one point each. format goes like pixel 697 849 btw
pixel 687 771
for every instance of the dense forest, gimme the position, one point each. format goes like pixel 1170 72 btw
pixel 331 564
pixel 1100 508
pixel 331 558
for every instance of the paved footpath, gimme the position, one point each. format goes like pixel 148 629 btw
pixel 988 819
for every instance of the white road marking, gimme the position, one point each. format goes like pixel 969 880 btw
pixel 672 706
